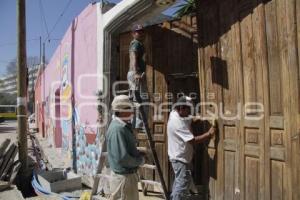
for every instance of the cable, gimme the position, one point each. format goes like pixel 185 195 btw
pixel 43 15
pixel 41 22
pixel 58 19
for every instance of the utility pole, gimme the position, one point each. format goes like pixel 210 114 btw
pixel 44 55
pixel 40 49
pixel 22 86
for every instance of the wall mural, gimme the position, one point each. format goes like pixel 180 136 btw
pixel 87 154
pixel 66 105
pixel 50 125
pixel 58 127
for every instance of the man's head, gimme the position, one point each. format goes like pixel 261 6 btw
pixel 123 107
pixel 138 32
pixel 183 106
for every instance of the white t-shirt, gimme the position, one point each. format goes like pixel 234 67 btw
pixel 178 136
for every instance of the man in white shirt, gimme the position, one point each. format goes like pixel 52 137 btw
pixel 180 146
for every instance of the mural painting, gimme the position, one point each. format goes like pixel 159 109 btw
pixel 87 152
pixel 72 65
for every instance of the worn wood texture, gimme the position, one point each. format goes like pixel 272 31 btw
pixel 249 53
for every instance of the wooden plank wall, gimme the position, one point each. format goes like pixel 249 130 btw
pixel 249 52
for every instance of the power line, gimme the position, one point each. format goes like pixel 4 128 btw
pixel 41 22
pixel 43 16
pixel 59 18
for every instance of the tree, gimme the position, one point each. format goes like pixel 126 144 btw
pixel 187 8
pixel 11 67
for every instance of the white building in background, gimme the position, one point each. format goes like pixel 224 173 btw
pixel 8 83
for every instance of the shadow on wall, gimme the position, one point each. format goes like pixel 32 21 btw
pixel 217 17
pixel 219 72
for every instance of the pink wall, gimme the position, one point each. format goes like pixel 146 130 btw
pixel 85 55
pixel 71 72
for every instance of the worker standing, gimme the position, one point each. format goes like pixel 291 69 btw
pixel 123 156
pixel 180 148
pixel 136 75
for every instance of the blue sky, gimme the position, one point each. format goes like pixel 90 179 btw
pixel 36 26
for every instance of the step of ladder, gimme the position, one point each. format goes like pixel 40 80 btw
pixel 150 182
pixel 148 166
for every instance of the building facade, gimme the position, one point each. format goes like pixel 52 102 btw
pixel 8 83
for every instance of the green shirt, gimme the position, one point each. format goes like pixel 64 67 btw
pixel 138 47
pixel 123 156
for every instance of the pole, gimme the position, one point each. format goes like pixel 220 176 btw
pixel 40 50
pixel 22 86
pixel 43 89
pixel 44 55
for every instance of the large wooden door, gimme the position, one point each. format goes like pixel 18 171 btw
pixel 171 57
pixel 249 68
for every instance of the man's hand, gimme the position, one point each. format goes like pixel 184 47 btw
pixel 212 131
pixel 137 76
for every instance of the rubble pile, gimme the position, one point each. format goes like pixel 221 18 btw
pixel 9 165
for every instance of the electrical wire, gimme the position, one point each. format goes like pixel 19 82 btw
pixel 58 19
pixel 43 16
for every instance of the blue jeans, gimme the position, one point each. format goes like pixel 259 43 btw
pixel 182 182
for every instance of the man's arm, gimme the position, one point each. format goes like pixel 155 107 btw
pixel 201 138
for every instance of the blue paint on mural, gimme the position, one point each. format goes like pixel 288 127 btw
pixel 87 154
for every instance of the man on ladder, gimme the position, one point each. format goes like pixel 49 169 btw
pixel 137 68
pixel 138 93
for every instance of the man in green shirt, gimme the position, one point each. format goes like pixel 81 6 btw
pixel 136 75
pixel 137 65
pixel 123 157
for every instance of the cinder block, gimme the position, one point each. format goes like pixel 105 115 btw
pixel 57 181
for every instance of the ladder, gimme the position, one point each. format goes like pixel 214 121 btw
pixel 156 166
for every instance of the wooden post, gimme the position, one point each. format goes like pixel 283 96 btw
pixel 22 86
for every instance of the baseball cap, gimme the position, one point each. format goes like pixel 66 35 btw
pixel 184 101
pixel 137 27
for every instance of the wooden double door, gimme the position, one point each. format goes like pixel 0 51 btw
pixel 249 68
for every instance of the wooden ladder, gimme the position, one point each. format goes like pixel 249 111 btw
pixel 156 166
